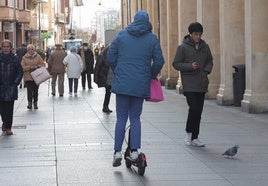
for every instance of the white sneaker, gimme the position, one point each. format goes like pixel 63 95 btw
pixel 134 155
pixel 117 159
pixel 188 139
pixel 197 143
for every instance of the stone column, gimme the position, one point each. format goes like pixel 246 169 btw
pixel 154 16
pixel 163 37
pixel 256 93
pixel 208 16
pixel 139 4
pixel 186 15
pixel 133 9
pixel 124 13
pixel 172 39
pixel 232 46
pixel 144 5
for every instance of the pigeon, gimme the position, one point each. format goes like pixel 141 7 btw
pixel 231 152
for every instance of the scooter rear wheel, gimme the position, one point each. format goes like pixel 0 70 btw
pixel 127 161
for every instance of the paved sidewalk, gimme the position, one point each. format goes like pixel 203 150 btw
pixel 69 141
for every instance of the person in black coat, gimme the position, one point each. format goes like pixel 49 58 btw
pixel 10 76
pixel 88 62
pixel 103 76
pixel 21 51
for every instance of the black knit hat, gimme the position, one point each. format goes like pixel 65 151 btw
pixel 195 27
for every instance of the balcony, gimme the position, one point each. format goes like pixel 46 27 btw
pixel 7 14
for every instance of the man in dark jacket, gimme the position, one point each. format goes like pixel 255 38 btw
pixel 10 77
pixel 21 51
pixel 88 62
pixel 194 60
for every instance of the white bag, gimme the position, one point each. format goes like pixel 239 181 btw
pixel 40 75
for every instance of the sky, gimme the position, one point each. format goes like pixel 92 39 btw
pixel 82 15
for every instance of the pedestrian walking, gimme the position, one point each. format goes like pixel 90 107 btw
pixel 74 65
pixel 57 69
pixel 30 62
pixel 20 52
pixel 194 60
pixel 103 76
pixel 10 76
pixel 135 57
pixel 88 63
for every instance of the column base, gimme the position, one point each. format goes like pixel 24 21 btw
pixel 254 103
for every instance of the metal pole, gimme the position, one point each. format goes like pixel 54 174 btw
pixel 39 25
pixel 14 26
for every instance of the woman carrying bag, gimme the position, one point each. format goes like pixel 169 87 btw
pixel 30 62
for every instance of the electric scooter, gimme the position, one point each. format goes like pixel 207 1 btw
pixel 140 162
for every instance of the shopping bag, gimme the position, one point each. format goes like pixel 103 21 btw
pixel 156 91
pixel 40 75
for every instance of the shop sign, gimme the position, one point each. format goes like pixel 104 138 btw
pixel 8 26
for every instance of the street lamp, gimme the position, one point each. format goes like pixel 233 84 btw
pixel 14 26
pixel 39 20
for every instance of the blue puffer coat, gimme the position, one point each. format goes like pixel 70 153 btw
pixel 10 76
pixel 136 57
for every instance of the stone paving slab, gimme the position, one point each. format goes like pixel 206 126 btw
pixel 69 141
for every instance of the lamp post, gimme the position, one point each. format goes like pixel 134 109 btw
pixel 14 26
pixel 39 20
pixel 39 24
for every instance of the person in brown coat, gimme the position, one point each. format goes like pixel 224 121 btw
pixel 57 69
pixel 31 61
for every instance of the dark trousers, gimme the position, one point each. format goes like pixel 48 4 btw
pixel 6 111
pixel 32 91
pixel 195 101
pixel 71 82
pixel 107 96
pixel 86 75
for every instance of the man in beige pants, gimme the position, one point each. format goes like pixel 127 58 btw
pixel 57 69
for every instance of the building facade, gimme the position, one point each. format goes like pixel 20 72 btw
pixel 235 32
pixel 39 22
pixel 14 16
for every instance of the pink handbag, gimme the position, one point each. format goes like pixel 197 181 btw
pixel 40 75
pixel 156 91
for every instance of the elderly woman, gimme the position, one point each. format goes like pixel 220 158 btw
pixel 31 61
pixel 74 66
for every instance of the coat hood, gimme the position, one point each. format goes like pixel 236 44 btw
pixel 189 41
pixel 141 24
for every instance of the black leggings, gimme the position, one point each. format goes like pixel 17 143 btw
pixel 71 80
pixel 195 101
pixel 6 111
pixel 32 91
pixel 107 96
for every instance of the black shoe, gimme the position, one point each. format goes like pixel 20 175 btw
pixel 61 95
pixel 4 128
pixel 53 94
pixel 8 132
pixel 106 110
